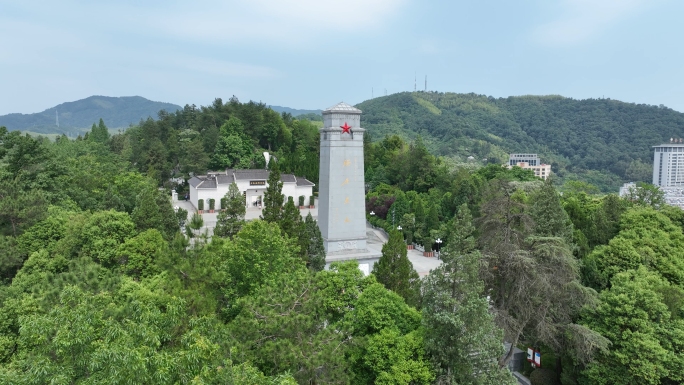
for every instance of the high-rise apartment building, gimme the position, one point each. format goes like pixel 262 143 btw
pixel 668 164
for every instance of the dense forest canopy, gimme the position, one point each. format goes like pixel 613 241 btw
pixel 602 141
pixel 103 281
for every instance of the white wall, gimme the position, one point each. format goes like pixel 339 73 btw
pixel 289 190
pixel 193 196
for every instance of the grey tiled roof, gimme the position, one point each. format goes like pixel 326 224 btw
pixel 287 178
pixel 251 174
pixel 194 181
pixel 342 107
pixel 209 183
pixel 301 181
pixel 225 179
pixel 204 182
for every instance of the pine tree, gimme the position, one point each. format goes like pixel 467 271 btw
pixel 395 271
pixel 291 220
pixel 231 220
pixel 99 133
pixel 193 227
pixel 460 335
pixel 273 196
pixel 550 219
pixel 314 251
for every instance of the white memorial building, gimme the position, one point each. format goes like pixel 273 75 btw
pixel 251 183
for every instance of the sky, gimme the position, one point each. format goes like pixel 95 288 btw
pixel 311 54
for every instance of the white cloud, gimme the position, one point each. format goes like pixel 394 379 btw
pixel 583 19
pixel 291 21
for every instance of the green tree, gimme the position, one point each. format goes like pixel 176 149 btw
pixel 102 234
pixel 257 256
pixel 646 194
pixel 273 196
pixel 233 150
pixel 196 223
pixel 533 282
pixel 395 271
pixel 99 133
pixel 461 339
pixel 153 210
pixel 279 329
pixel 387 341
pixel 314 254
pixel 19 209
pixel 550 219
pixel 230 221
pixel 138 256
pixel 11 258
pixel 647 237
pixel 646 337
pixel 290 220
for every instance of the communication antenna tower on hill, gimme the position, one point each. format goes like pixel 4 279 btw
pixel 57 118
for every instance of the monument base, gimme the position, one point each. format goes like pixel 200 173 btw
pixel 365 257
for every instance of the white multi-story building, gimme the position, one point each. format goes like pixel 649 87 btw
pixel 530 162
pixel 668 165
pixel 251 183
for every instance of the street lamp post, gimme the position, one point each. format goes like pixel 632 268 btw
pixel 399 228
pixel 439 246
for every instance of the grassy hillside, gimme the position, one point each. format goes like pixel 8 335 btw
pixel 602 141
pixel 77 117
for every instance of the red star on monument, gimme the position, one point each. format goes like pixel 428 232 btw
pixel 346 128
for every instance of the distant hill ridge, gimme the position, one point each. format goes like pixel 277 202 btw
pixel 78 116
pixel 605 142
pixel 294 111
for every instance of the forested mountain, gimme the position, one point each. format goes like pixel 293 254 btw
pixel 602 141
pixel 103 281
pixel 294 111
pixel 77 117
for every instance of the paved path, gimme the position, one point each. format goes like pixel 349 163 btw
pixel 422 265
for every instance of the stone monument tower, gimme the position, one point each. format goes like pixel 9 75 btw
pixel 341 203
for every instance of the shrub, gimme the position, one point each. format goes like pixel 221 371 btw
pixel 212 203
pixel 311 200
pixel 543 376
pixel 301 200
pixel 200 204
pixel 224 203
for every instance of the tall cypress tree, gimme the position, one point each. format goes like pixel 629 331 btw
pixel 291 220
pixel 460 335
pixel 99 133
pixel 550 219
pixel 315 251
pixel 231 220
pixel 395 271
pixel 273 196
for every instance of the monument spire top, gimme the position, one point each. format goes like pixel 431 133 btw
pixel 342 107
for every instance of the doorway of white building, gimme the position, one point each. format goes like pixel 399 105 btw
pixel 254 201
